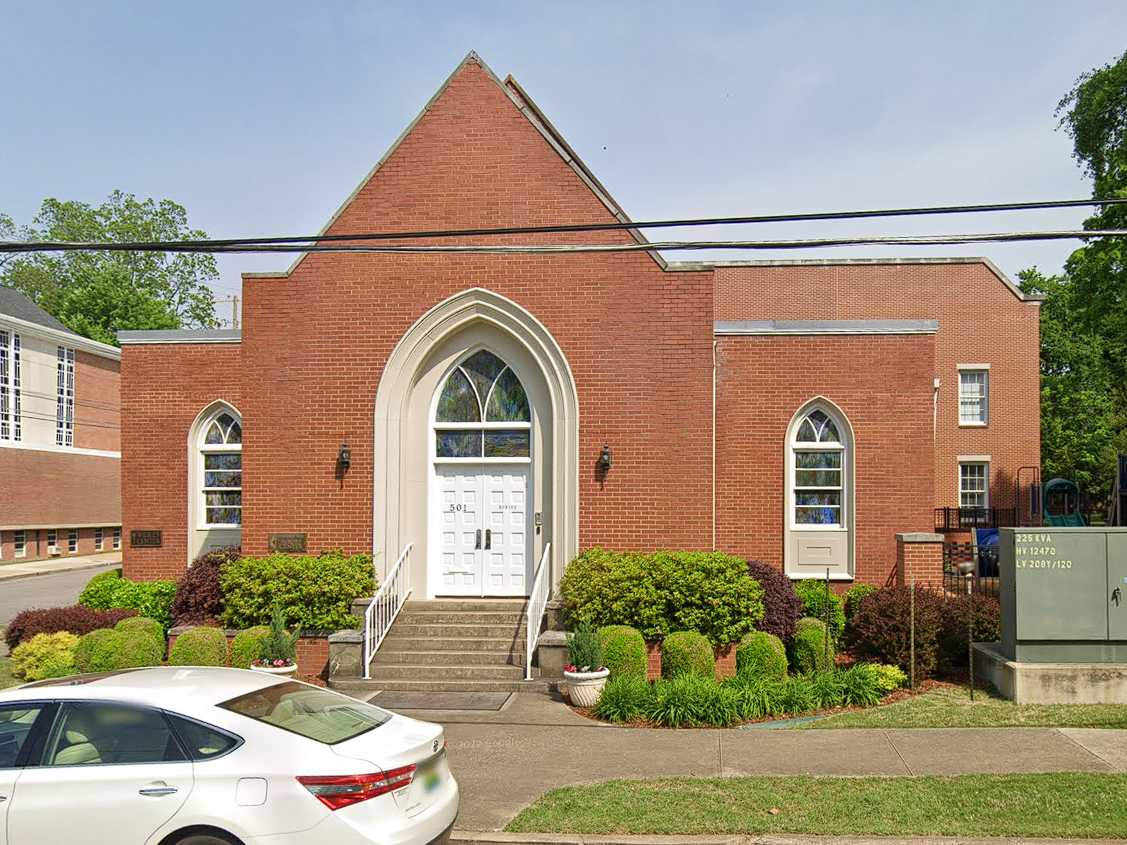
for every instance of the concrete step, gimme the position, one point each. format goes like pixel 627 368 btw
pixel 513 633
pixel 408 672
pixel 467 604
pixel 460 617
pixel 361 688
pixel 398 641
pixel 388 657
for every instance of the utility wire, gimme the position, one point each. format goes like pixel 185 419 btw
pixel 199 245
pixel 543 249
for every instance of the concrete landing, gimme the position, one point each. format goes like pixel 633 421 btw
pixel 440 702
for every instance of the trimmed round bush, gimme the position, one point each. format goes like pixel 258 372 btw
pixel 95 651
pixel 809 649
pixel 142 625
pixel 761 655
pixel 687 653
pixel 246 647
pixel 202 646
pixel 781 606
pixel 133 650
pixel 820 603
pixel 881 628
pixel 199 596
pixel 75 618
pixel 45 656
pixel 624 651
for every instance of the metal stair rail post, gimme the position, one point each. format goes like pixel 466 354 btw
pixel 385 606
pixel 537 605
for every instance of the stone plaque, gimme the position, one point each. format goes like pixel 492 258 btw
pixel 287 542
pixel 144 539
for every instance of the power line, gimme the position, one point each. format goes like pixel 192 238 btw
pixel 219 244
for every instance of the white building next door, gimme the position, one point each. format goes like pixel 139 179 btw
pixel 482 537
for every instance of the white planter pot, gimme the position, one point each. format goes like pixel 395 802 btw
pixel 583 688
pixel 276 670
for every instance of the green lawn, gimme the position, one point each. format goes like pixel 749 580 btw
pixel 6 679
pixel 951 707
pixel 1057 805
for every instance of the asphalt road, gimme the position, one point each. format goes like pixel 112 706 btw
pixel 44 591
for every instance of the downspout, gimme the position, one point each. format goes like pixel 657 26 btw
pixel 935 441
pixel 714 443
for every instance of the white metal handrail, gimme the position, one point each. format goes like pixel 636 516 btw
pixel 385 606
pixel 537 605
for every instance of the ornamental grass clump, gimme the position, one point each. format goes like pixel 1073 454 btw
pixel 688 701
pixel 625 698
pixel 687 653
pixel 202 646
pixel 624 651
pixel 761 655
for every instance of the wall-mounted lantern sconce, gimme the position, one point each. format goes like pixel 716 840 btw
pixel 605 459
pixel 344 457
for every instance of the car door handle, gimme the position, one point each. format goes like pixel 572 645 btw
pixel 477 543
pixel 488 539
pixel 157 791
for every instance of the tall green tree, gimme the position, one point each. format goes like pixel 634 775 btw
pixel 1084 316
pixel 98 293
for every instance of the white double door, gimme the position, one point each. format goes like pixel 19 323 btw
pixel 482 541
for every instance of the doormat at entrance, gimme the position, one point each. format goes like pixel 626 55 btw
pixel 404 700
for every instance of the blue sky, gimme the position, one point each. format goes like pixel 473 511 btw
pixel 261 117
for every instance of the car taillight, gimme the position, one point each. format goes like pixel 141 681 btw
pixel 336 791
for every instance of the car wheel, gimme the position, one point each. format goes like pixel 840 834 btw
pixel 204 839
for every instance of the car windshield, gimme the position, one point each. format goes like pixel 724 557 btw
pixel 310 711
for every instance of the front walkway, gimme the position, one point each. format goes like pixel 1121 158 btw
pixel 506 759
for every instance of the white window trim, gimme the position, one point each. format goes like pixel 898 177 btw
pixel 72 541
pixel 794 446
pixel 436 426
pixel 99 539
pixel 52 546
pixel 972 368
pixel 203 449
pixel 64 397
pixel 19 549
pixel 11 415
pixel 966 460
pixel 117 539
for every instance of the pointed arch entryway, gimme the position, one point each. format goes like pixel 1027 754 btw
pixel 424 456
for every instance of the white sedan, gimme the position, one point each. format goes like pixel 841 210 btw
pixel 185 756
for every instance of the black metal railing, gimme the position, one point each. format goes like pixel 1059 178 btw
pixel 984 572
pixel 964 519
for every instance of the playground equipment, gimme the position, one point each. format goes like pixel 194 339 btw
pixel 1060 499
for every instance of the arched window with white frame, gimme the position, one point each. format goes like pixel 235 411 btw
pixel 219 471
pixel 819 517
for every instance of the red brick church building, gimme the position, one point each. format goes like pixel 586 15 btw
pixel 481 406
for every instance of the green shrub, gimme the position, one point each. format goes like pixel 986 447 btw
pixel 45 656
pixel 625 698
pixel 315 592
pixel 853 597
pixel 584 651
pixel 687 653
pixel 624 651
pixel 881 628
pixel 809 650
pixel 761 655
pixel 142 625
pixel 820 603
pixel 152 599
pixel 953 629
pixel 132 650
pixel 202 646
pixel 246 647
pixel 889 678
pixel 707 592
pixel 100 590
pixel 862 686
pixel 92 654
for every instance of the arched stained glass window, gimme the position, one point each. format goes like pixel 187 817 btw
pixel 818 472
pixel 221 470
pixel 482 411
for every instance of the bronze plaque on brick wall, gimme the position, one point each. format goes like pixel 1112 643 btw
pixel 287 542
pixel 144 539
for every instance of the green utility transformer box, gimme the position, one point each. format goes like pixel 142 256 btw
pixel 1064 594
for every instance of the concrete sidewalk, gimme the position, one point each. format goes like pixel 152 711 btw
pixel 505 760
pixel 13 571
